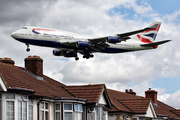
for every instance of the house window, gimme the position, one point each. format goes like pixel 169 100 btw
pixel 30 109
pixel 78 112
pixel 68 111
pixel 10 99
pixel 44 111
pixel 57 111
pixel 22 107
pixel 91 113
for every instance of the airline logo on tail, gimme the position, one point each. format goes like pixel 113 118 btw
pixel 149 36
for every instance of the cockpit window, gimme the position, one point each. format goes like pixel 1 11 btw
pixel 24 28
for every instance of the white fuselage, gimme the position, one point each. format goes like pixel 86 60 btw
pixel 63 39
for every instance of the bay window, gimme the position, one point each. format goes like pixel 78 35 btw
pixel 57 111
pixel 78 112
pixel 30 109
pixel 68 111
pixel 10 99
pixel 44 111
pixel 22 107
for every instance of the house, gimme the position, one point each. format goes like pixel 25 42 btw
pixel 28 94
pixel 163 110
pixel 97 100
pixel 127 105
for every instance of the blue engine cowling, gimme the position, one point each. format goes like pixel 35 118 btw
pixel 70 54
pixel 82 44
pixel 57 52
pixel 113 39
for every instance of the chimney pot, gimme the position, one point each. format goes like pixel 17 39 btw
pixel 130 91
pixel 7 61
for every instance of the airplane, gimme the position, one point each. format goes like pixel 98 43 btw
pixel 68 44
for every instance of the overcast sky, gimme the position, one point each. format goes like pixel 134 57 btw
pixel 158 69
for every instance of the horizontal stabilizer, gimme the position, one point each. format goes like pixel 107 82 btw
pixel 155 43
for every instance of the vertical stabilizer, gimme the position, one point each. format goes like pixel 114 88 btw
pixel 149 36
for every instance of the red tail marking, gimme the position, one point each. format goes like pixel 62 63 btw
pixel 155 29
pixel 145 40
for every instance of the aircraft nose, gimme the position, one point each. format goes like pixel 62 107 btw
pixel 13 34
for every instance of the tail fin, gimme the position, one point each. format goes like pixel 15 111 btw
pixel 149 36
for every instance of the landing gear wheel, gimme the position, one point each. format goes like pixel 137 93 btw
pixel 76 58
pixel 91 55
pixel 28 49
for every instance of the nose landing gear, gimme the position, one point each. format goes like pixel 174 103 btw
pixel 28 49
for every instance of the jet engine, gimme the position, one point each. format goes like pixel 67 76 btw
pixel 82 44
pixel 113 39
pixel 57 52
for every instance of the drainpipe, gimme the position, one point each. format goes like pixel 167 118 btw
pixel 38 107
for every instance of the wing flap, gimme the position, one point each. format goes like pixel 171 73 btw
pixel 98 40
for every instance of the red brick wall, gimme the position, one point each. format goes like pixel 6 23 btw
pixel 34 64
pixel 152 94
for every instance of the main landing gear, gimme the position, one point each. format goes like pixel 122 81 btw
pixel 28 49
pixel 76 58
pixel 89 55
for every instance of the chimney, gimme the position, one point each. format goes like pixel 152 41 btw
pixel 130 91
pixel 7 61
pixel 34 64
pixel 151 94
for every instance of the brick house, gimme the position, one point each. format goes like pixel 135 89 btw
pixel 28 94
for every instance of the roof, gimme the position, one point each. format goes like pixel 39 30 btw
pixel 128 103
pixel 17 78
pixel 136 105
pixel 177 112
pixel 89 92
pixel 163 109
pixel 124 102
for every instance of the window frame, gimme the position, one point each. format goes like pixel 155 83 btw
pixel 79 111
pixel 10 100
pixel 20 98
pixel 68 111
pixel 57 111
pixel 30 104
pixel 44 110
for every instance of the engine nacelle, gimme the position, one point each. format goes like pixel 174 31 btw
pixel 82 44
pixel 57 52
pixel 64 53
pixel 113 39
pixel 70 54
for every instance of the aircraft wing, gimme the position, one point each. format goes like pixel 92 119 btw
pixel 122 35
pixel 98 40
pixel 155 43
pixel 98 44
